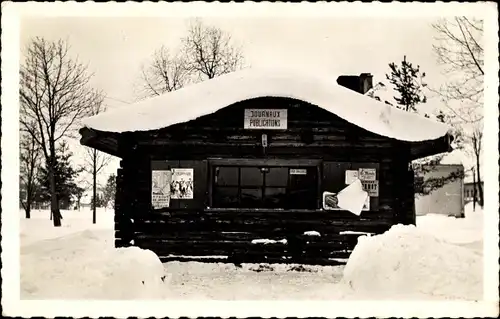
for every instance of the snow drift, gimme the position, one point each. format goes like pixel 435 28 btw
pixel 406 263
pixel 207 97
pixel 85 265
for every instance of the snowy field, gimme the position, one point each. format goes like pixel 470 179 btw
pixel 440 259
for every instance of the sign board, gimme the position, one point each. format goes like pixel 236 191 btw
pixel 298 171
pixel 371 187
pixel 160 190
pixel 269 119
pixel 182 184
pixel 351 176
pixel 367 174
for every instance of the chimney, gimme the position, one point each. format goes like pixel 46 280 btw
pixel 366 82
pixel 360 83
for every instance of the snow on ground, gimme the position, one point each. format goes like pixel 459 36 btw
pixel 78 260
pixel 467 232
pixel 40 227
pixel 441 258
pixel 408 263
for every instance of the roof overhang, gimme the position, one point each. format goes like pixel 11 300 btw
pixel 425 136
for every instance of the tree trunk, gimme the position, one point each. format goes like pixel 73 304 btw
pixel 479 186
pixel 474 193
pixel 27 209
pixel 54 202
pixel 94 188
pixel 27 204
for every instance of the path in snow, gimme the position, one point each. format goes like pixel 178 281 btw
pixel 220 281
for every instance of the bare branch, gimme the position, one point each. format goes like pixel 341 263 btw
pixel 209 51
pixel 164 73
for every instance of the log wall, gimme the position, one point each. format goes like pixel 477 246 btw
pixel 190 228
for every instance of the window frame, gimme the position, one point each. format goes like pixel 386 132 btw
pixel 288 163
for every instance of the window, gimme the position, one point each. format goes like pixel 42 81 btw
pixel 265 187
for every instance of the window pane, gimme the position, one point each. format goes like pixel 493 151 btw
pixel 251 197
pixel 277 176
pixel 303 190
pixel 275 197
pixel 226 176
pixel 225 197
pixel 251 176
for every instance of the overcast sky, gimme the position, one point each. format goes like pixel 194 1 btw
pixel 115 48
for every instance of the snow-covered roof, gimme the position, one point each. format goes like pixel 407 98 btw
pixel 207 97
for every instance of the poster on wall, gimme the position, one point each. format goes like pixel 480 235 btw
pixel 160 191
pixel 367 174
pixel 182 183
pixel 331 202
pixel 371 187
pixel 351 176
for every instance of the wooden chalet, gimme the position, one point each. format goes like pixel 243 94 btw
pixel 238 166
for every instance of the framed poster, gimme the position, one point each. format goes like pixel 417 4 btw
pixel 160 190
pixel 182 183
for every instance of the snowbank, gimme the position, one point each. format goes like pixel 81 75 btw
pixel 207 97
pixel 85 265
pixel 407 263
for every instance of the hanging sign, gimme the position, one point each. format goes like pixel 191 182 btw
pixel 270 119
pixel 367 174
pixel 351 176
pixel 298 171
pixel 160 191
pixel 182 184
pixel 371 187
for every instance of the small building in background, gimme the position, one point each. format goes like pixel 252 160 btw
pixel 439 190
pixel 469 191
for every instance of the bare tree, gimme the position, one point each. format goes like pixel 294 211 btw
pixel 459 49
pixel 163 73
pixel 209 51
pixel 54 94
pixel 476 140
pixel 95 161
pixel 30 158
